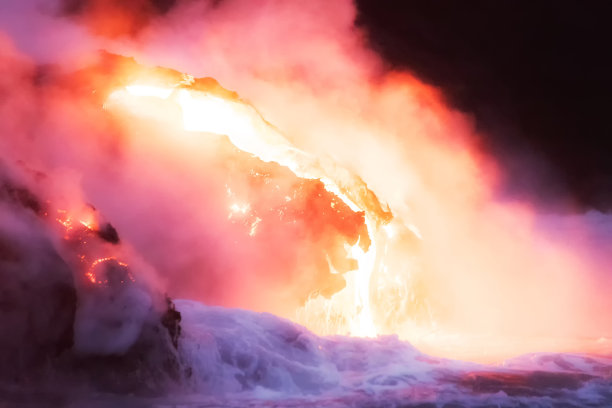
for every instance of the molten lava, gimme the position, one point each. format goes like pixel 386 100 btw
pixel 448 285
pixel 348 311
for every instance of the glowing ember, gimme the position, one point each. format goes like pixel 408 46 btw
pixel 254 225
pixel 78 233
pixel 86 219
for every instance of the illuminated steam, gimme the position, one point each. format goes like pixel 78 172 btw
pixel 210 214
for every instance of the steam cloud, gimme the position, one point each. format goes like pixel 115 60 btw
pixel 483 266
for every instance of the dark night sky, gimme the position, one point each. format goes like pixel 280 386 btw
pixel 535 74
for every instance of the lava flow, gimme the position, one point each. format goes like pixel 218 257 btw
pixel 393 287
pixel 347 311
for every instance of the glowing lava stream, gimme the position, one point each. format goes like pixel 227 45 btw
pixel 248 131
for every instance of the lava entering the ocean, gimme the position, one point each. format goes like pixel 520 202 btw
pixel 376 277
pixel 347 311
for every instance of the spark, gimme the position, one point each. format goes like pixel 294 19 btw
pixel 237 208
pixel 254 225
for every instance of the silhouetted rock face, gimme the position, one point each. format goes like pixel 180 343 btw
pixel 108 233
pixel 60 328
pixel 37 297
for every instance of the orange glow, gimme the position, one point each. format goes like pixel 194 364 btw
pixel 446 265
pixel 85 218
pixel 248 131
